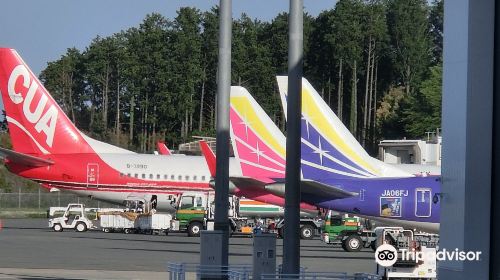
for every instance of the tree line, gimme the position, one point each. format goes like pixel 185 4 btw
pixel 377 63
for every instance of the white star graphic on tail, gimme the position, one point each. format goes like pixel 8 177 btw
pixel 320 151
pixel 246 123
pixel 258 152
pixel 307 119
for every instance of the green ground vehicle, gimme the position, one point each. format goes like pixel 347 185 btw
pixel 195 212
pixel 347 232
pixel 190 216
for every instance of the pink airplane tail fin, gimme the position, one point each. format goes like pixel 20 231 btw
pixel 257 142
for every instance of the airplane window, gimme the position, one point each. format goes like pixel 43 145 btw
pixel 179 178
pixel 150 176
pixel 194 178
pixel 187 178
pixel 136 175
pixel 158 176
pixel 165 177
pixel 129 175
pixel 121 174
pixel 203 178
pixel 172 177
pixel 143 176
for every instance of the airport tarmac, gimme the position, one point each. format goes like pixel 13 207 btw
pixel 30 250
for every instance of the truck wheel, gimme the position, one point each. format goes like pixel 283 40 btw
pixel 106 230
pixel 81 227
pixel 306 232
pixel 353 243
pixel 194 229
pixel 373 245
pixel 127 231
pixel 57 227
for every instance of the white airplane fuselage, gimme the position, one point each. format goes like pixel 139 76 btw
pixel 115 177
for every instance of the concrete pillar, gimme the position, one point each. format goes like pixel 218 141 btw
pixel 467 135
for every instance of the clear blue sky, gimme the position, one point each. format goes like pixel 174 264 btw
pixel 41 31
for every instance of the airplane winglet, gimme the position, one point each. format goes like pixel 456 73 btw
pixel 24 159
pixel 209 157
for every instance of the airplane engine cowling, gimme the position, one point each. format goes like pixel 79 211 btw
pixel 276 189
pixel 232 187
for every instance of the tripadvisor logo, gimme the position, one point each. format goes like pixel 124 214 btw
pixel 386 255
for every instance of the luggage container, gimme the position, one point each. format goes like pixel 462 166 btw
pixel 154 223
pixel 118 222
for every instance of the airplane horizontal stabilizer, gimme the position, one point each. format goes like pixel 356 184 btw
pixel 312 188
pixel 247 182
pixel 321 190
pixel 24 159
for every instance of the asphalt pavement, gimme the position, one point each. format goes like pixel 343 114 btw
pixel 30 250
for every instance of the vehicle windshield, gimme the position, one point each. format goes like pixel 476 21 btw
pixel 187 202
pixel 336 221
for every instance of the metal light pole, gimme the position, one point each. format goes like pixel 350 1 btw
pixel 222 144
pixel 291 244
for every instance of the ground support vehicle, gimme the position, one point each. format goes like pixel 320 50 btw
pixel 347 232
pixel 118 221
pixel 74 217
pixel 195 212
pixel 309 227
pixel 408 267
pixel 139 216
pixel 153 223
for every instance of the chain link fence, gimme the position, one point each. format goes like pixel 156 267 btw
pixel 43 200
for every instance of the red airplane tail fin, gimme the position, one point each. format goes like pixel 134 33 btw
pixel 37 125
pixel 162 148
pixel 209 157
